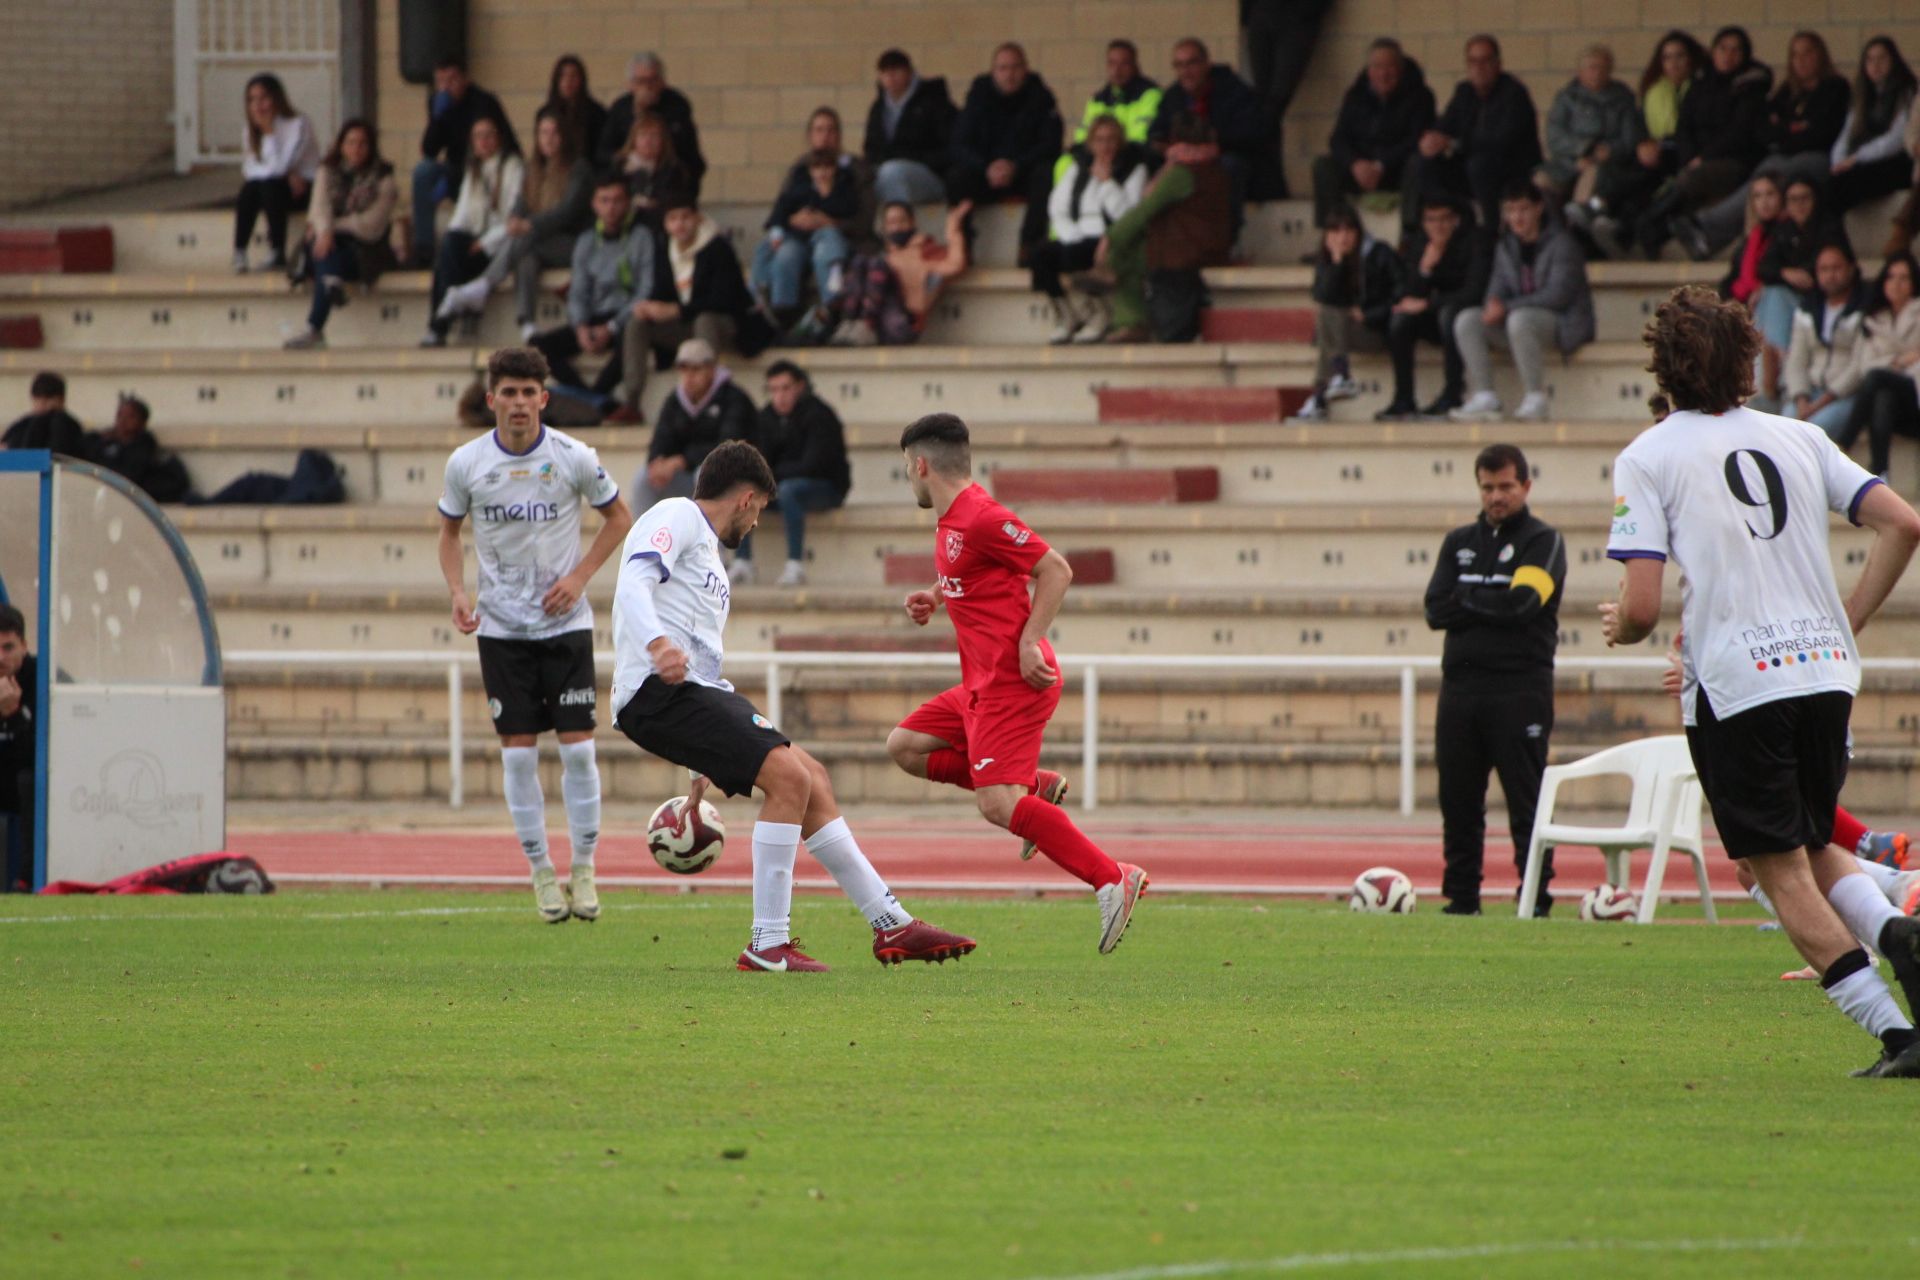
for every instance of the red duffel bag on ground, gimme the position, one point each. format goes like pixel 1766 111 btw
pixel 202 873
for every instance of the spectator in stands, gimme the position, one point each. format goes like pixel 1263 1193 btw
pixel 1718 140
pixel 1488 136
pixel 452 109
pixel 613 272
pixel 698 292
pixel 806 446
pixel 1907 221
pixel 349 222
pixel 1384 112
pixel 655 177
pixel 1356 280
pixel 1823 369
pixel 1627 180
pixel 1005 141
pixel 815 220
pixel 489 192
pixel 909 131
pixel 554 208
pixel 1208 91
pixel 48 425
pixel 19 691
pixel 1538 300
pixel 1803 123
pixel 1886 404
pixel 131 450
pixel 1090 195
pixel 278 157
pixel 1182 224
pixel 1766 213
pixel 1592 119
pixel 1126 95
pixel 1279 38
pixel 1869 158
pixel 705 409
pixel 1443 271
pixel 648 92
pixel 581 117
pixel 888 295
pixel 1787 270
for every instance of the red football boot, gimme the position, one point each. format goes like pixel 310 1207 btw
pixel 785 958
pixel 918 941
pixel 1052 788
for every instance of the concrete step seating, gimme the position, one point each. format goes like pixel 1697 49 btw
pixel 911 569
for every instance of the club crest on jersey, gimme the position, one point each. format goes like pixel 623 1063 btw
pixel 662 539
pixel 954 539
pixel 761 721
pixel 494 708
pixel 1506 553
pixel 545 473
pixel 1015 532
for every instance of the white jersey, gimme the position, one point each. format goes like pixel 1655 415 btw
pixel 674 584
pixel 526 526
pixel 1740 501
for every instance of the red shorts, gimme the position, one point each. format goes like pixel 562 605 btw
pixel 999 734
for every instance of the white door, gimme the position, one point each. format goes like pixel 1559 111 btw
pixel 218 45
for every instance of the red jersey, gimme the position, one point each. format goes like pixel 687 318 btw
pixel 985 557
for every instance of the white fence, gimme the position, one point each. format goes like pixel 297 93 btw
pixel 1089 667
pixel 218 45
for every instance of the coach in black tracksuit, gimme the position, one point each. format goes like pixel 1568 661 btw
pixel 1496 593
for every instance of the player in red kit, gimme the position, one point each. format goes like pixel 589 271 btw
pixel 984 734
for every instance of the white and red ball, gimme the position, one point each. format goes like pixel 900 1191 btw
pixel 1605 902
pixel 685 843
pixel 1383 891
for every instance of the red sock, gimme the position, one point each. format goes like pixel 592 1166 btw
pixel 1847 829
pixel 1049 827
pixel 949 766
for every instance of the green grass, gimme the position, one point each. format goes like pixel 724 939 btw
pixel 318 1085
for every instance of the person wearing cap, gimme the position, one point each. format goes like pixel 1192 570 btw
pixel 706 408
pixel 698 292
pixel 130 449
pixel 49 426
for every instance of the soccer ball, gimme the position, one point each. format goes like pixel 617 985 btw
pixel 1383 891
pixel 1605 902
pixel 685 847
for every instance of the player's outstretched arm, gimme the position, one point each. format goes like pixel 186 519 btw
pixel 1051 577
pixel 1896 532
pixel 566 593
pixel 453 569
pixel 1633 618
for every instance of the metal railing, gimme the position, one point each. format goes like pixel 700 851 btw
pixel 1088 666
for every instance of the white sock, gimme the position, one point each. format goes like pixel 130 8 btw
pixel 1864 997
pixel 1759 895
pixel 1863 906
pixel 834 848
pixel 1885 878
pixel 580 788
pixel 775 847
pixel 526 802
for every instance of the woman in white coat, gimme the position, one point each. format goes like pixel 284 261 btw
pixel 277 160
pixel 488 194
pixel 1090 194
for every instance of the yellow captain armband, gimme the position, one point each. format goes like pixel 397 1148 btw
pixel 1533 577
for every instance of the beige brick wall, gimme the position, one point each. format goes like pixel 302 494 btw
pixel 86 89
pixel 755 67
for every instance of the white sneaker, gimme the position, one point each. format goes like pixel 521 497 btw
pixel 794 575
pixel 1534 407
pixel 1480 407
pixel 527 332
pixel 549 896
pixel 1312 411
pixel 1116 904
pixel 1066 322
pixel 1340 388
pixel 240 264
pixel 1099 320
pixel 464 299
pixel 741 574
pixel 586 900
pixel 433 338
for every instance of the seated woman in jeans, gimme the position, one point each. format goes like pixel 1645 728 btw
pixel 488 193
pixel 354 198
pixel 807 447
pixel 277 163
pixel 1888 403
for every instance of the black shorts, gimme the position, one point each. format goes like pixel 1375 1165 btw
pixel 700 727
pixel 536 685
pixel 1773 773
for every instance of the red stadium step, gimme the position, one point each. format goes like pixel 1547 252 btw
pixel 1256 324
pixel 1090 569
pixel 21 333
pixel 892 641
pixel 62 251
pixel 1147 405
pixel 1135 487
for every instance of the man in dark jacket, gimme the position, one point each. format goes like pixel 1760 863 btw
pixel 1445 271
pixel 706 408
pixel 698 292
pixel 1495 591
pixel 19 687
pixel 456 102
pixel 1488 135
pixel 1213 93
pixel 1381 119
pixel 135 452
pixel 807 448
pixel 1005 141
pixel 909 131
pixel 647 90
pixel 49 426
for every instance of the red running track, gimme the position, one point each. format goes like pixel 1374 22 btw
pixel 959 854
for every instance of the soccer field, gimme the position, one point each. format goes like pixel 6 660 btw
pixel 381 1084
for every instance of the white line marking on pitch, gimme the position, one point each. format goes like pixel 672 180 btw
pixel 1461 1253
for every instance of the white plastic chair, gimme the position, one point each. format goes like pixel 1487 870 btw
pixel 1664 815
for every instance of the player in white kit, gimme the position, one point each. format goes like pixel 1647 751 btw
pixel 1740 501
pixel 669 613
pixel 523 484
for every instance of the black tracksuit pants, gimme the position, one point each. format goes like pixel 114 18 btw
pixel 1490 722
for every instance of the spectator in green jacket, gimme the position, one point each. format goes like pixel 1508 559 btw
pixel 1592 119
